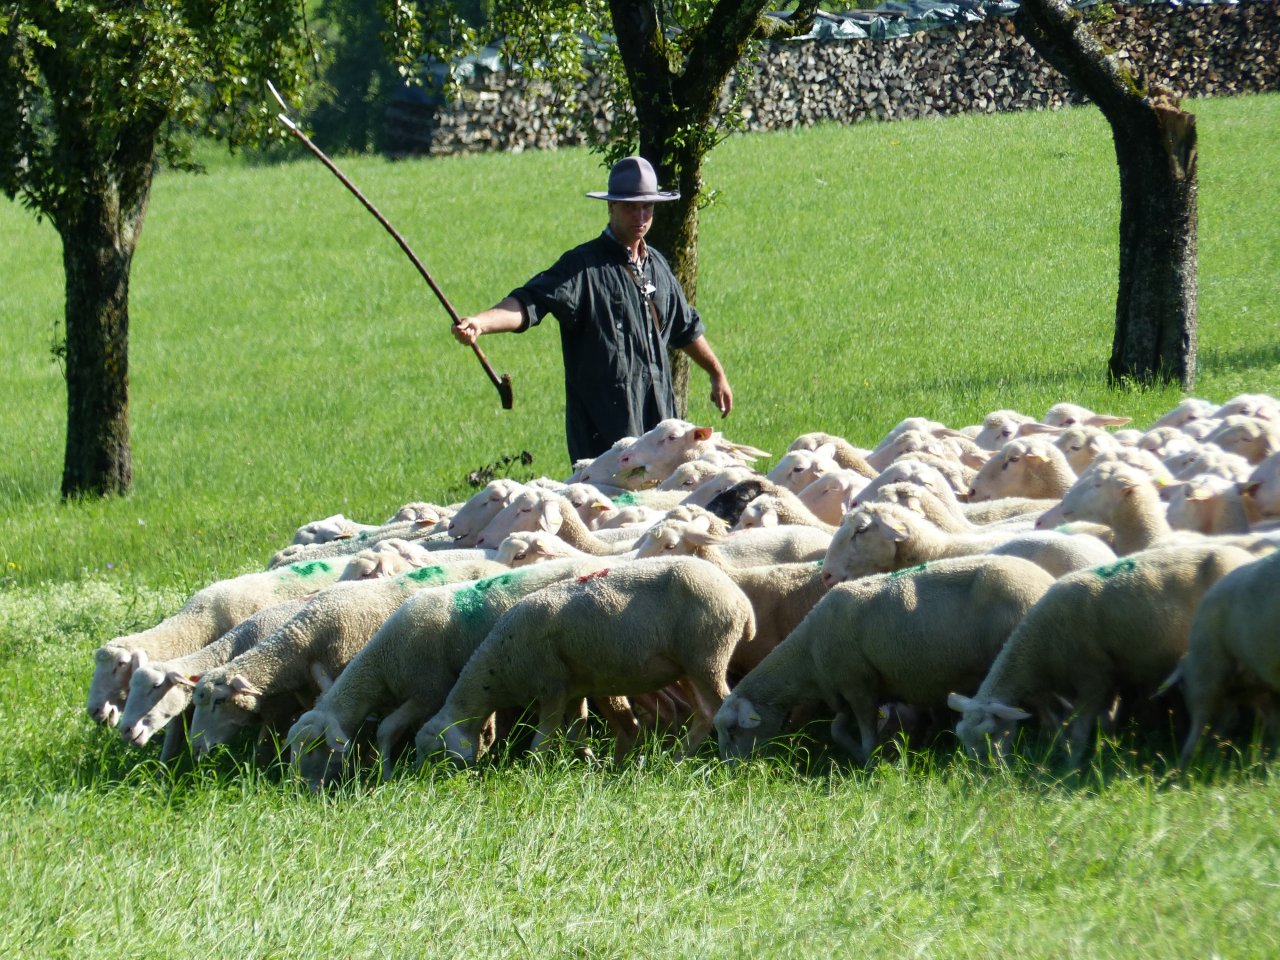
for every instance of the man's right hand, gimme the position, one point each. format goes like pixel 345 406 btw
pixel 466 331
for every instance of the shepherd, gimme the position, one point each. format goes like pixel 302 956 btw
pixel 620 308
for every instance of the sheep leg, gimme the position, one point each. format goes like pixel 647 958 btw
pixel 1081 729
pixel 843 736
pixel 175 735
pixel 392 728
pixel 707 694
pixel 863 709
pixel 550 715
pixel 622 722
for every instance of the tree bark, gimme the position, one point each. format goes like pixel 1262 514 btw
pixel 1155 143
pixel 98 460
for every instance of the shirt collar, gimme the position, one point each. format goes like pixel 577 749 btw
pixel 644 248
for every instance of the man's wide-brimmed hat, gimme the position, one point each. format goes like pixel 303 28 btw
pixel 632 180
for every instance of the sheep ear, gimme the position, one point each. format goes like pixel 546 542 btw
pixel 769 518
pixel 550 518
pixel 748 718
pixel 178 680
pixel 896 530
pixel 701 523
pixel 1027 429
pixel 1169 489
pixel 827 450
pixel 138 659
pixel 1036 453
pixel 959 703
pixel 703 538
pixel 1104 420
pixel 239 684
pixel 1006 712
pixel 702 433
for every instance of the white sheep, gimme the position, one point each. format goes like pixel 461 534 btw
pixel 1192 408
pixel 658 451
pixel 1208 504
pixel 211 612
pixel 833 495
pixel 1001 426
pixel 772 510
pixel 746 548
pixel 467 524
pixel 1248 437
pixel 796 469
pixel 846 454
pixel 1071 414
pixel 1259 405
pixel 1119 628
pixel 336 527
pixel 909 443
pixel 632 629
pixel 690 475
pixel 1262 487
pixel 1083 444
pixel 1034 468
pixel 407 668
pixel 1207 458
pixel 718 484
pixel 313 646
pixel 604 470
pixel 1232 652
pixel 906 637
pixel 161 691
pixel 543 510
pixel 731 504
pixel 883 537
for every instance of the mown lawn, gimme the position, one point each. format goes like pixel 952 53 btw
pixel 287 363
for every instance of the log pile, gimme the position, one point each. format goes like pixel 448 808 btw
pixel 1211 50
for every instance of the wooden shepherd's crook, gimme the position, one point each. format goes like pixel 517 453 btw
pixel 503 383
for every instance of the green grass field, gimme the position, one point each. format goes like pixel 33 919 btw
pixel 288 363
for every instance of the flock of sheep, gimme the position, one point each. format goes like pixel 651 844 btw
pixel 1061 571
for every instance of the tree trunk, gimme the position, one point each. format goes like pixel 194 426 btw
pixel 1155 141
pixel 1156 306
pixel 675 233
pixel 96 257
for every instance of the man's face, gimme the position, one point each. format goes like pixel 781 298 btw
pixel 630 221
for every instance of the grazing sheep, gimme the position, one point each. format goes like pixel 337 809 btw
pixel 472 517
pixel 1185 412
pixel 211 612
pixel 772 510
pixel 1083 444
pixel 690 475
pixel 543 510
pixel 746 548
pixel 604 470
pixel 833 495
pixel 905 637
pixel 1262 488
pixel 1071 414
pixel 1001 426
pixel 883 537
pixel 1232 649
pixel 160 691
pixel 1258 405
pixel 1035 468
pixel 1116 629
pixel 336 527
pixel 660 450
pixel 621 631
pixel 796 469
pixel 730 504
pixel 846 454
pixel 909 471
pixel 954 447
pixel 316 643
pixel 1207 459
pixel 1207 504
pixel 1123 498
pixel 1253 439
pixel 407 668
pixel 722 481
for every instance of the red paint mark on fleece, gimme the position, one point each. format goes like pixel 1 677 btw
pixel 598 575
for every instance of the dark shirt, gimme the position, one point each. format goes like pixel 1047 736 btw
pixel 617 377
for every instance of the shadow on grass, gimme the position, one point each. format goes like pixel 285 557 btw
pixel 1246 357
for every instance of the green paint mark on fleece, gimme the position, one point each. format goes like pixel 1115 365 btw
pixel 470 601
pixel 1107 572
pixel 308 568
pixel 625 500
pixel 425 575
pixel 907 571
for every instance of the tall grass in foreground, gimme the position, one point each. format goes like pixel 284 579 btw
pixel 287 363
